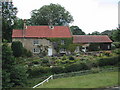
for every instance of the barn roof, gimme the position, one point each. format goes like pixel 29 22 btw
pixel 43 31
pixel 91 39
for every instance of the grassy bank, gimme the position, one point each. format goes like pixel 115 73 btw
pixel 98 80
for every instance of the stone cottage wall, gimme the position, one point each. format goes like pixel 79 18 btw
pixel 28 43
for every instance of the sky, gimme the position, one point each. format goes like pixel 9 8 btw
pixel 88 15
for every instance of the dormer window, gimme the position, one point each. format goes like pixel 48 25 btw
pixel 36 42
pixel 51 27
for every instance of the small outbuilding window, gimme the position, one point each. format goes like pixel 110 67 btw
pixel 62 42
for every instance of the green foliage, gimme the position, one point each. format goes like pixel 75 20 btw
pixel 12 75
pixel 109 61
pixel 57 43
pixel 107 53
pixel 76 30
pixel 76 67
pixel 17 48
pixel 18 24
pixel 56 70
pixel 117 51
pixel 116 35
pixel 35 62
pixel 98 80
pixel 8 61
pixel 117 44
pixel 71 58
pixel 19 76
pixel 36 71
pixel 26 53
pixel 72 47
pixel 95 33
pixel 6 81
pixel 53 14
pixel 8 15
pixel 43 50
pixel 95 70
pixel 64 57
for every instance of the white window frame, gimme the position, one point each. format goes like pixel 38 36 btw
pixel 34 42
pixel 62 42
pixel 36 50
pixel 108 46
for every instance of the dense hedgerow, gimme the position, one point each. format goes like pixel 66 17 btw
pixel 109 61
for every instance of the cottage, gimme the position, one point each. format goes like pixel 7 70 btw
pixel 36 38
pixel 92 42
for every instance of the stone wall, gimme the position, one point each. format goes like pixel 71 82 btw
pixel 28 43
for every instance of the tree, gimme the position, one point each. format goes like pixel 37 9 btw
pixel 8 16
pixel 53 14
pixel 107 32
pixel 12 74
pixel 116 35
pixel 17 48
pixel 18 24
pixel 95 33
pixel 8 62
pixel 76 30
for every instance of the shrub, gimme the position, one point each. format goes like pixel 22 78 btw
pixel 35 62
pixel 76 67
pixel 116 51
pixel 38 71
pixel 107 53
pixel 64 57
pixel 95 70
pixel 56 70
pixel 45 60
pixel 71 58
pixel 17 48
pixel 117 44
pixel 27 53
pixel 108 61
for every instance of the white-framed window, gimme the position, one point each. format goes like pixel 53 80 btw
pixel 35 42
pixel 108 46
pixel 36 50
pixel 62 42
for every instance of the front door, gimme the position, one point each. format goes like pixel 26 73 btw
pixel 49 51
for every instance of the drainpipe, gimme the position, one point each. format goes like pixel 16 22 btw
pixel 24 28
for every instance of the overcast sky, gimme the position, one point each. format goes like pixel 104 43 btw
pixel 89 15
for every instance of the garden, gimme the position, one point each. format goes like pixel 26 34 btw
pixel 39 69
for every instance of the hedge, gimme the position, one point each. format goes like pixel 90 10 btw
pixel 109 61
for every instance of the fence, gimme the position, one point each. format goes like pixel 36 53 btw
pixel 85 72
pixel 79 73
pixel 46 80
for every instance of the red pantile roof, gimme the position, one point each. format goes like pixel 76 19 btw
pixel 91 39
pixel 43 31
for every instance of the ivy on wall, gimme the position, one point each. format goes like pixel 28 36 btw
pixel 68 44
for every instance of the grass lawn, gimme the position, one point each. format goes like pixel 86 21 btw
pixel 98 80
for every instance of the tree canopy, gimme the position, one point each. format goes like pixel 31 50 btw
pixel 8 15
pixel 116 35
pixel 95 33
pixel 53 14
pixel 76 30
pixel 12 74
pixel 18 23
